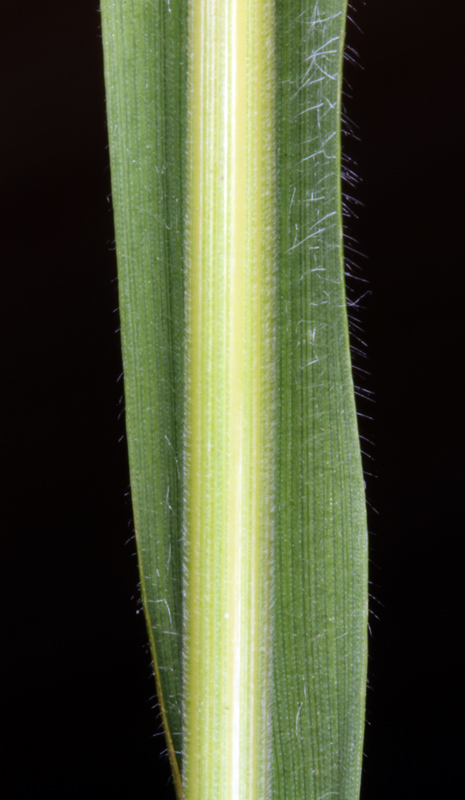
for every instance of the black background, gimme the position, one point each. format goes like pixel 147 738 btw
pixel 76 691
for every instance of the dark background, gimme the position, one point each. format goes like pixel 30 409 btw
pixel 76 691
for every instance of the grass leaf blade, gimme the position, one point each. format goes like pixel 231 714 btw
pixel 145 47
pixel 320 555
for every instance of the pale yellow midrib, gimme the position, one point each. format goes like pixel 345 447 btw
pixel 229 401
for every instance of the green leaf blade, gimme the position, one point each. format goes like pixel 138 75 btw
pixel 320 647
pixel 145 47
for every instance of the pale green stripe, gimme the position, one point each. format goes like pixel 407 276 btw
pixel 229 401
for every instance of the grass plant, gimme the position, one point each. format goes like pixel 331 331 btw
pixel 224 126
